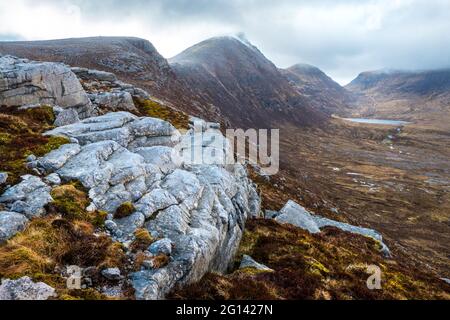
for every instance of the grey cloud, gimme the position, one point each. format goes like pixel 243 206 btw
pixel 333 34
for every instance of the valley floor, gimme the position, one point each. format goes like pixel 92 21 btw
pixel 394 180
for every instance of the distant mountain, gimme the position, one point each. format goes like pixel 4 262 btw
pixel 322 92
pixel 234 76
pixel 410 95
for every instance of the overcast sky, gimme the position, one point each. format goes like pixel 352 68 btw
pixel 342 38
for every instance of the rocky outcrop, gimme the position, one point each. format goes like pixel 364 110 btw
pixel 25 289
pixel 197 209
pixel 297 215
pixel 24 82
pixel 180 187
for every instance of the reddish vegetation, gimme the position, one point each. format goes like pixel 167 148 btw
pixel 21 135
pixel 330 265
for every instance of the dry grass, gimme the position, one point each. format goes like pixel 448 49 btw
pixel 142 241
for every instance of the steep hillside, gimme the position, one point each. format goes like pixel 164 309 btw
pixel 322 92
pixel 422 96
pixel 234 76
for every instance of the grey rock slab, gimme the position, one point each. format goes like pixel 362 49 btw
pixel 90 165
pixel 25 289
pixel 57 158
pixel 295 214
pixel 28 197
pixel 156 200
pixel 113 101
pixel 10 224
pixel 165 158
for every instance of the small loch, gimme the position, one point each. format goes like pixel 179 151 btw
pixel 378 121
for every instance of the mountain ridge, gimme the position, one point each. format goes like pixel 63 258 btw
pixel 322 91
pixel 231 74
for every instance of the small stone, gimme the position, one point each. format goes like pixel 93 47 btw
pixel 31 158
pixel 112 274
pixel 248 262
pixel 3 177
pixel 32 164
pixel 53 179
pixel 163 246
pixel 111 226
pixel 92 208
pixel 270 214
pixel 148 264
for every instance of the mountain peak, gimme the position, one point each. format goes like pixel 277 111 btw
pixel 218 48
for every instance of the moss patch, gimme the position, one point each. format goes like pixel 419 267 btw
pixel 150 108
pixel 124 210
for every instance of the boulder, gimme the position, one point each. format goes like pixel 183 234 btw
pixel 295 214
pixel 25 289
pixel 200 209
pixel 25 82
pixel 10 224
